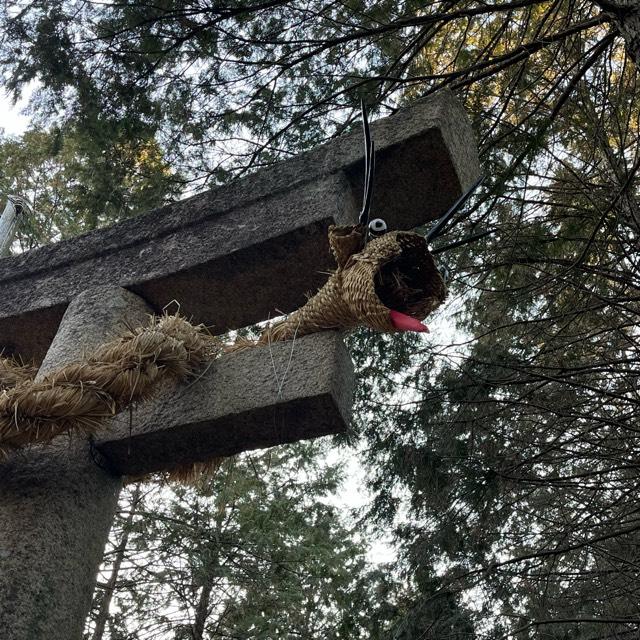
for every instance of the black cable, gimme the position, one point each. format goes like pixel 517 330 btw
pixel 438 227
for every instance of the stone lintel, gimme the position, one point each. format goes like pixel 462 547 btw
pixel 250 399
pixel 237 254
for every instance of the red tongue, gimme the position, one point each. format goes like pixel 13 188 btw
pixel 406 323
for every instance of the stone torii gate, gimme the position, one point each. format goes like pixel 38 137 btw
pixel 229 257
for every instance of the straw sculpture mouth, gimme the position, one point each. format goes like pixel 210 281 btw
pixel 410 284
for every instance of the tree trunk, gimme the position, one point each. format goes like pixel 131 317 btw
pixel 626 17
pixel 202 610
pixel 103 611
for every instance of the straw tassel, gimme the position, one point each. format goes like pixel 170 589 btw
pixel 12 373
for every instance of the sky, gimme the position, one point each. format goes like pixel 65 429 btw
pixel 11 120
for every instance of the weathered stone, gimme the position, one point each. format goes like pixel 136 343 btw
pixel 246 400
pixel 56 505
pixel 236 254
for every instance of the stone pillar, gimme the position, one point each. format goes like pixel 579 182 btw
pixel 56 504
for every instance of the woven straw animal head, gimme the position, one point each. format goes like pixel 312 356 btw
pixel 392 273
pixel 385 284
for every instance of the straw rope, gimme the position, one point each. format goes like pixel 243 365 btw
pixel 13 373
pixel 80 396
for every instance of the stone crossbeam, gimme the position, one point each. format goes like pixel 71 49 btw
pixel 243 252
pixel 251 399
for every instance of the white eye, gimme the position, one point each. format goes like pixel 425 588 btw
pixel 377 227
pixel 444 272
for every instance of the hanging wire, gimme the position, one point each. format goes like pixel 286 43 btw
pixel 438 227
pixel 369 168
pixel 378 226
